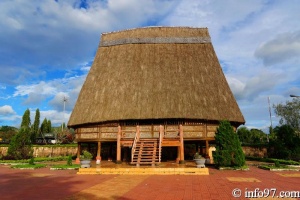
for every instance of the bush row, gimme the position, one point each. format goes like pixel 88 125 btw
pixel 273 160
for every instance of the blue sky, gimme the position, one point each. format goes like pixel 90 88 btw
pixel 47 48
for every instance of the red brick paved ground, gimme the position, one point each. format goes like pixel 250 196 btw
pixel 66 184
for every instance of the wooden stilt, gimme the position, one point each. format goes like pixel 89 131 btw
pixel 181 161
pixel 78 153
pixel 161 138
pixel 98 158
pixel 207 147
pixel 119 161
pixel 178 155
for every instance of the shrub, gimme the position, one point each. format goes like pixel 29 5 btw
pixel 86 155
pixel 69 161
pixel 276 162
pixel 31 161
pixel 20 145
pixel 229 152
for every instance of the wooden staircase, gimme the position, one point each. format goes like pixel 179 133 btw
pixel 146 151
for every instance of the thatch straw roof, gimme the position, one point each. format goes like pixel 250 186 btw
pixel 155 73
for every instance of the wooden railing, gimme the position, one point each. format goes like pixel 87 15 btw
pixel 136 139
pixel 129 132
pixel 161 136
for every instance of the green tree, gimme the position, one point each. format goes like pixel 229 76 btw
pixel 36 125
pixel 42 129
pixel 228 147
pixel 289 113
pixel 46 126
pixel 49 126
pixel 7 132
pixel 252 136
pixel 20 145
pixel 244 135
pixel 257 136
pixel 26 119
pixel 285 144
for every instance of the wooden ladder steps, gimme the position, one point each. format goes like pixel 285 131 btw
pixel 146 152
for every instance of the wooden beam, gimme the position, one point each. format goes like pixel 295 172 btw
pixel 119 145
pixel 207 147
pixel 98 158
pixel 174 143
pixel 78 153
pixel 178 155
pixel 181 161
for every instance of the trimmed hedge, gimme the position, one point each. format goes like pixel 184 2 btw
pixel 37 159
pixel 228 152
pixel 273 160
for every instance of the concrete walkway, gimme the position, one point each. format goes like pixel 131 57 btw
pixel 66 184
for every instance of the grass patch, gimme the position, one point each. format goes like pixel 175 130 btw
pixel 273 160
pixel 278 168
pixel 68 165
pixel 245 167
pixel 61 167
pixel 37 159
pixel 55 145
pixel 28 166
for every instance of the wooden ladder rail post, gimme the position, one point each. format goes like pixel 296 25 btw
pixel 161 135
pixel 136 139
pixel 154 155
pixel 181 161
pixel 119 145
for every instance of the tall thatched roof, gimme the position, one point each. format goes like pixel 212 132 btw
pixel 155 73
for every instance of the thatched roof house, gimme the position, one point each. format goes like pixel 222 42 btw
pixel 155 73
pixel 163 84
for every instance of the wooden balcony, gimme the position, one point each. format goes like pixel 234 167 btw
pixel 171 133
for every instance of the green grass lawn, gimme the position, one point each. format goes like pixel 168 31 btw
pixel 39 163
pixel 245 167
pixel 73 166
pixel 278 168
pixel 28 166
pixel 37 159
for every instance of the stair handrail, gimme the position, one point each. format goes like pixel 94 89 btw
pixel 136 138
pixel 161 132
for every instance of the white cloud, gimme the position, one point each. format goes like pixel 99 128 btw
pixel 252 87
pixel 61 101
pixel 218 16
pixel 59 34
pixel 284 47
pixel 54 90
pixel 237 87
pixel 56 117
pixel 6 110
pixel 41 88
pixel 85 68
pixel 38 37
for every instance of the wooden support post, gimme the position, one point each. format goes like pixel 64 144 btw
pixel 125 158
pixel 119 161
pixel 77 161
pixel 181 161
pixel 138 132
pixel 197 147
pixel 178 155
pixel 98 158
pixel 161 138
pixel 207 147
